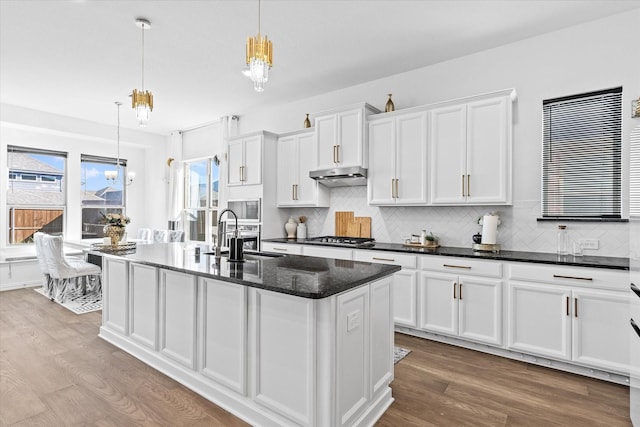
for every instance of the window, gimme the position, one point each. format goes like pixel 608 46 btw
pixel 99 196
pixel 581 166
pixel 202 178
pixel 35 204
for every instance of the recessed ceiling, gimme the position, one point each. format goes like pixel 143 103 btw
pixel 75 58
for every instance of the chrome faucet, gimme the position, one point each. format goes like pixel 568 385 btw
pixel 219 237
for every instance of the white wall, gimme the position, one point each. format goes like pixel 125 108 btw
pixel 144 153
pixel 597 55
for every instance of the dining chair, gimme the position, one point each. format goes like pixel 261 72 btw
pixel 47 283
pixel 175 236
pixel 144 234
pixel 159 236
pixel 68 274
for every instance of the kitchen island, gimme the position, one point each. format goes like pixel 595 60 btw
pixel 287 340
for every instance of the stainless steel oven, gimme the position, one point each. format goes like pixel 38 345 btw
pixel 249 232
pixel 247 210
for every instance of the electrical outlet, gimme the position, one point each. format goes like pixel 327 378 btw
pixel 353 320
pixel 590 243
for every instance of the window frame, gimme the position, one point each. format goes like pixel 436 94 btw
pixel 209 209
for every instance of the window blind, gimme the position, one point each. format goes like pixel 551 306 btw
pixel 634 173
pixel 582 148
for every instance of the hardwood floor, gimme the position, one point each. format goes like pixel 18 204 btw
pixel 55 371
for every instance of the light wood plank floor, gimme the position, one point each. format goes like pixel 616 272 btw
pixel 55 371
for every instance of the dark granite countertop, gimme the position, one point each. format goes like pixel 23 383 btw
pixel 515 256
pixel 302 276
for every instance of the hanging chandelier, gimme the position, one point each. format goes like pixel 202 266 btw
pixel 112 176
pixel 141 100
pixel 259 58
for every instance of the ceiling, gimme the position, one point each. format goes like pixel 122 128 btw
pixel 76 57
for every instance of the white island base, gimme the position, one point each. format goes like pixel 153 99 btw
pixel 269 358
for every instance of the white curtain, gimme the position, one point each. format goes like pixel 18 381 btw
pixel 175 179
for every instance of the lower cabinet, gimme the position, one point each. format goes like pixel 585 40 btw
pixel 463 306
pixel 587 326
pixel 143 294
pixel 178 317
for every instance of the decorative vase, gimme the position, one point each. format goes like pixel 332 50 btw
pixel 302 231
pixel 389 105
pixel 114 232
pixel 291 226
pixel 307 122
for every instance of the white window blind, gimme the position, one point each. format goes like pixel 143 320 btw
pixel 581 166
pixel 634 173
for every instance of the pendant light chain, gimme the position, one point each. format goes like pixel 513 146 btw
pixel 142 57
pixel 259 17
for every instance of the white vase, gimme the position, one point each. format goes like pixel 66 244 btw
pixel 291 226
pixel 302 231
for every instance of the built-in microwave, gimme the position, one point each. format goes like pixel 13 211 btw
pixel 250 233
pixel 247 210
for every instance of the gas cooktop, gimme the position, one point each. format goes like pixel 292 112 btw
pixel 349 242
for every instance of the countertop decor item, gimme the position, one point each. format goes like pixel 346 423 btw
pixel 115 226
pixel 307 122
pixel 489 235
pixel 389 107
pixel 290 227
pixel 302 227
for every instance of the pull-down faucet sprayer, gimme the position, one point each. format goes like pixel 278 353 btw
pixel 219 238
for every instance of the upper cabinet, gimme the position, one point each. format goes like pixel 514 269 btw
pixel 341 136
pixel 398 159
pixel 470 155
pixel 296 156
pixel 245 160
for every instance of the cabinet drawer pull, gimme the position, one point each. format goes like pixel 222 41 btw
pixel 457 266
pixel 468 185
pixel 559 276
pixel 575 307
pixel 567 306
pixel 383 259
pixel 280 249
pixel 460 285
pixel 454 290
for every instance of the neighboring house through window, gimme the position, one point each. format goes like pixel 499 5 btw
pixel 36 193
pixel 99 196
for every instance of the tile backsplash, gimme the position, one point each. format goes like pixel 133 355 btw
pixel 455 225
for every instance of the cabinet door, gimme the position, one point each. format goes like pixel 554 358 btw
pixel 326 138
pixel 405 299
pixel 144 304
pixel 600 329
pixel 350 139
pixel 480 305
pixel 539 319
pixel 286 174
pixel 235 162
pixel 438 303
pixel 307 188
pixel 252 173
pixel 178 317
pixel 448 155
pixel 488 153
pixel 411 159
pixel 115 310
pixel 381 162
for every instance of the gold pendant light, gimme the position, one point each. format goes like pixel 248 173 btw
pixel 259 58
pixel 141 100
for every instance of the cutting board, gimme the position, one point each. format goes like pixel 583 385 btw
pixel 352 226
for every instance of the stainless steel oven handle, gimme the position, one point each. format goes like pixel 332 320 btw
pixel 635 289
pixel 635 327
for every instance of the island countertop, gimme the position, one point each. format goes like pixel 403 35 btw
pixel 302 276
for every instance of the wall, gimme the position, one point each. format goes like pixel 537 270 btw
pixel 596 55
pixel 28 128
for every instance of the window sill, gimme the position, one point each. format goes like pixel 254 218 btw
pixel 574 219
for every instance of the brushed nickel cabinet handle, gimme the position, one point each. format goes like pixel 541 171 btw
pixel 383 259
pixel 393 189
pixel 567 306
pixel 468 185
pixel 397 188
pixel 293 192
pixel 460 285
pixel 297 197
pixel 559 276
pixel 280 249
pixel 462 188
pixel 575 307
pixel 456 266
pixel 334 154
pixel 454 290
pixel 338 153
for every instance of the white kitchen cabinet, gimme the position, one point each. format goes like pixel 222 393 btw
pixel 115 308
pixel 143 296
pixel 578 315
pixel 282 248
pixel 398 159
pixel 244 160
pixel 470 151
pixel 178 296
pixel 456 300
pixel 296 156
pixel 341 136
pixel 405 283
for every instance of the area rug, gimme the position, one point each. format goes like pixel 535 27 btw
pixel 79 303
pixel 399 353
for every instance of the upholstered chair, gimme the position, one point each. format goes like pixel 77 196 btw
pixel 47 282
pixel 144 234
pixel 175 236
pixel 159 236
